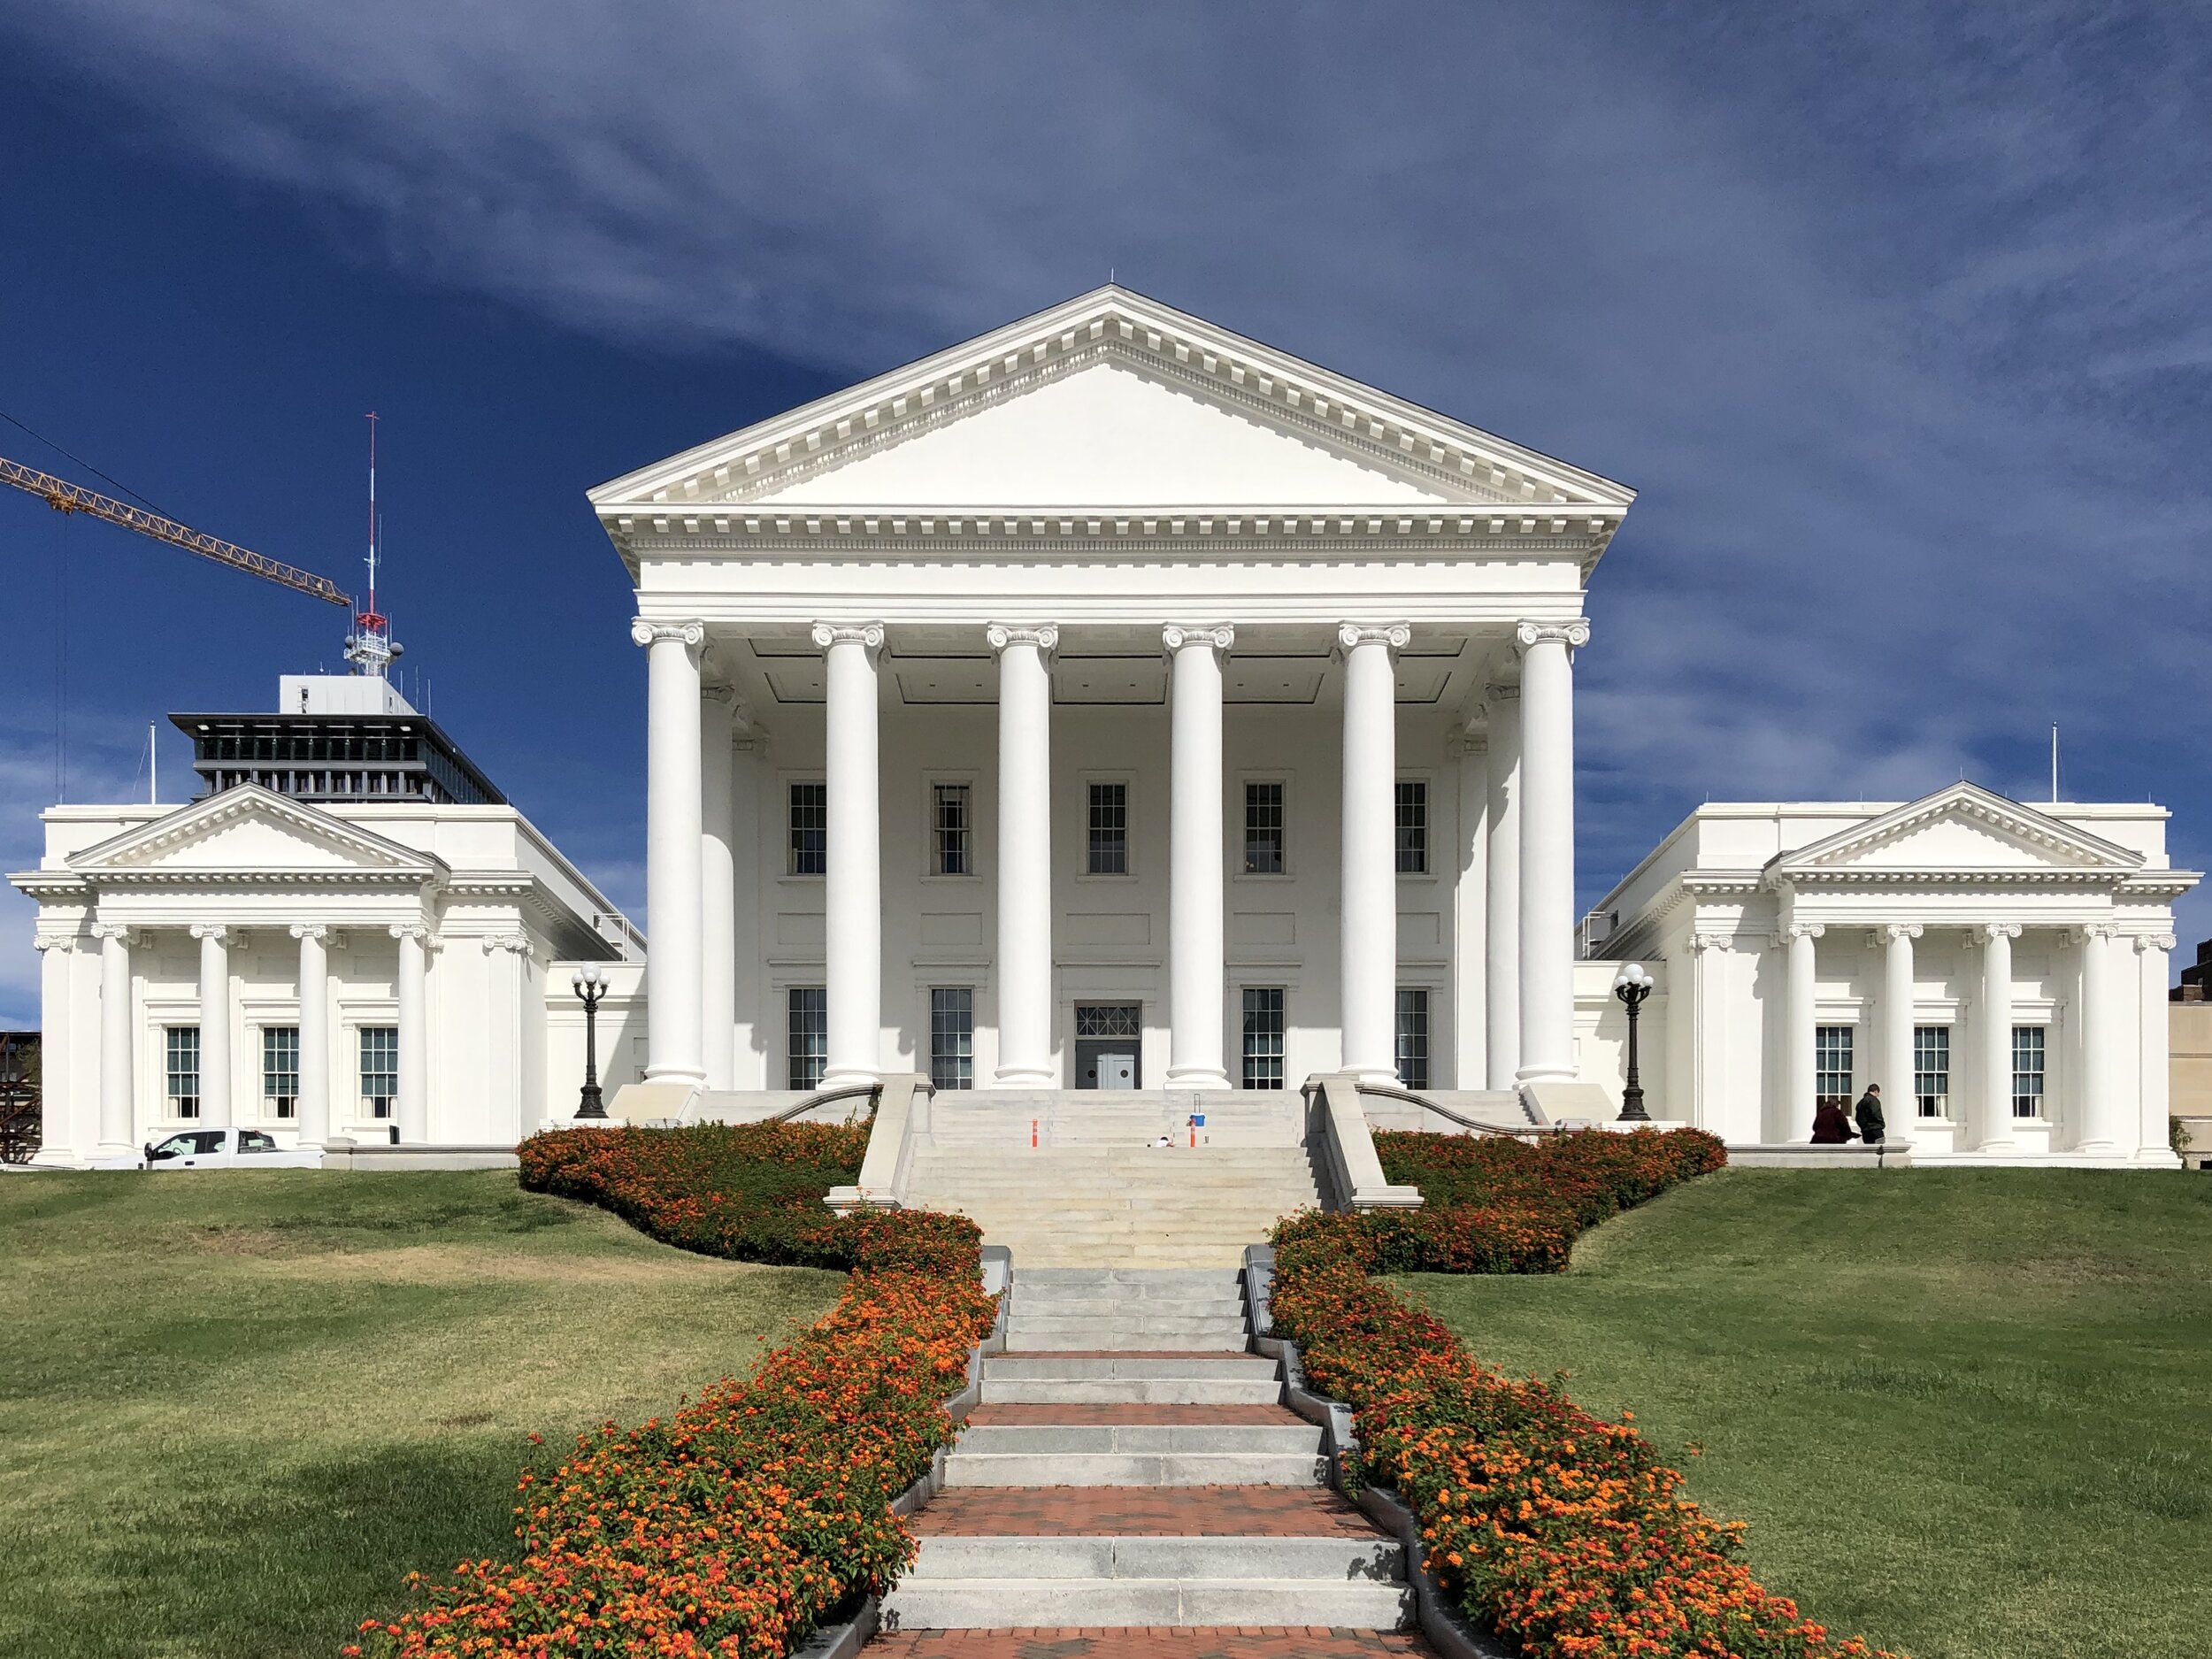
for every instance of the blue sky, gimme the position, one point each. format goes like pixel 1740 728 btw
pixel 1901 318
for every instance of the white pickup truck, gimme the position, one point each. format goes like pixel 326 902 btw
pixel 227 1148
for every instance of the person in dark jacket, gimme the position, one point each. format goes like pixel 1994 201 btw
pixel 1872 1129
pixel 1831 1127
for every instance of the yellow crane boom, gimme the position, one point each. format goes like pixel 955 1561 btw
pixel 64 496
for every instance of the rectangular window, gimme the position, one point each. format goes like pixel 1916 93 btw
pixel 380 1069
pixel 1413 827
pixel 952 1036
pixel 809 829
pixel 1932 1070
pixel 280 1071
pixel 955 852
pixel 1264 829
pixel 1263 1037
pixel 806 1049
pixel 1110 829
pixel 180 1054
pixel 2027 1071
pixel 1413 1038
pixel 1831 1064
pixel 1103 1020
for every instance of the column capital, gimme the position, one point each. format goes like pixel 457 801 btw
pixel 2154 941
pixel 1501 693
pixel 1802 930
pixel 219 932
pixel 1219 635
pixel 1396 635
pixel 1984 933
pixel 98 930
pixel 63 941
pixel 693 634
pixel 714 692
pixel 419 930
pixel 1892 932
pixel 309 929
pixel 1044 635
pixel 2095 930
pixel 1573 634
pixel 1699 943
pixel 518 942
pixel 826 634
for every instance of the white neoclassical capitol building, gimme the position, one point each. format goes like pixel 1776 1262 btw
pixel 1112 702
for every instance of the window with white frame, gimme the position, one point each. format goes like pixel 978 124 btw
pixel 2027 1071
pixel 952 1036
pixel 1264 829
pixel 806 1042
pixel 1413 1036
pixel 380 1069
pixel 809 829
pixel 1263 1066
pixel 280 1071
pixel 1932 1070
pixel 1831 1064
pixel 952 832
pixel 1108 830
pixel 181 1064
pixel 1413 827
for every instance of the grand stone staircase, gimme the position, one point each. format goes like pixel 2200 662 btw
pixel 1070 1180
pixel 1104 1492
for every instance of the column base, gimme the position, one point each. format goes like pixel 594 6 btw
pixel 848 1078
pixel 682 1077
pixel 1197 1078
pixel 1024 1077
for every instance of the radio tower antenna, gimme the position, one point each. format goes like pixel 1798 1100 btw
pixel 370 647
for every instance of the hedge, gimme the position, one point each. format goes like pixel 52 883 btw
pixel 732 1527
pixel 1563 1532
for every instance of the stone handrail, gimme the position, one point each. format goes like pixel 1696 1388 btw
pixel 1473 1126
pixel 900 1105
pixel 1337 1129
pixel 823 1098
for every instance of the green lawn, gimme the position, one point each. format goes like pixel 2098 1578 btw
pixel 237 1409
pixel 1966 1412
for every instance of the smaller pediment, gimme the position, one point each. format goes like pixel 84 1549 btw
pixel 249 830
pixel 1962 830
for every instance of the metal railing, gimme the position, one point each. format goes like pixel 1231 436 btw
pixel 844 1092
pixel 1472 1125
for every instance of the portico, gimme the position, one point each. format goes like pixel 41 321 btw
pixel 1111 660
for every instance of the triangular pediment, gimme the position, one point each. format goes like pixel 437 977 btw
pixel 1963 829
pixel 1110 400
pixel 250 831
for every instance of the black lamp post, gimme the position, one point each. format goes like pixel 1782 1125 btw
pixel 590 983
pixel 1631 985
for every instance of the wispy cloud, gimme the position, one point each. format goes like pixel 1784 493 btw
pixel 1896 316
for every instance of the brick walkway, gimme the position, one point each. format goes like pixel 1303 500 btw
pixel 1101 1416
pixel 1156 1643
pixel 1144 1511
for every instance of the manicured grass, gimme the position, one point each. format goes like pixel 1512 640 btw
pixel 240 1409
pixel 1965 1411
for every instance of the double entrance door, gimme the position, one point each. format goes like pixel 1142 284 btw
pixel 1109 1045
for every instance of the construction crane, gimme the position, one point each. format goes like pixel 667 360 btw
pixel 64 496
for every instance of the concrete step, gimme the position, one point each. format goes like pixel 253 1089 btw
pixel 1133 1379
pixel 1074 1327
pixel 920 1603
pixel 1118 1339
pixel 1136 1468
pixel 1369 1560
pixel 1091 1439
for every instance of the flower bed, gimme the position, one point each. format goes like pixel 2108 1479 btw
pixel 734 1525
pixel 1564 1533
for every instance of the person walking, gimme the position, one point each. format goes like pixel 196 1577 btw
pixel 1872 1128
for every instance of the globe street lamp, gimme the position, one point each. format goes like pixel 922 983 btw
pixel 1631 985
pixel 590 983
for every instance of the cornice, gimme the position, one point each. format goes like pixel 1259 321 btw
pixel 2091 854
pixel 104 880
pixel 1934 877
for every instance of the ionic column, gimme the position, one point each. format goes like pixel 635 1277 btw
pixel 1470 932
pixel 2154 1040
pixel 1548 848
pixel 314 1102
pixel 674 1048
pixel 214 1021
pixel 1995 1129
pixel 1368 921
pixel 1023 970
pixel 1715 1105
pixel 718 887
pixel 1196 953
pixel 1799 936
pixel 412 1107
pixel 853 882
pixel 1901 1105
pixel 1502 929
pixel 115 1036
pixel 2102 1125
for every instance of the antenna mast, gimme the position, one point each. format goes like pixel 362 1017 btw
pixel 369 648
pixel 2055 762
